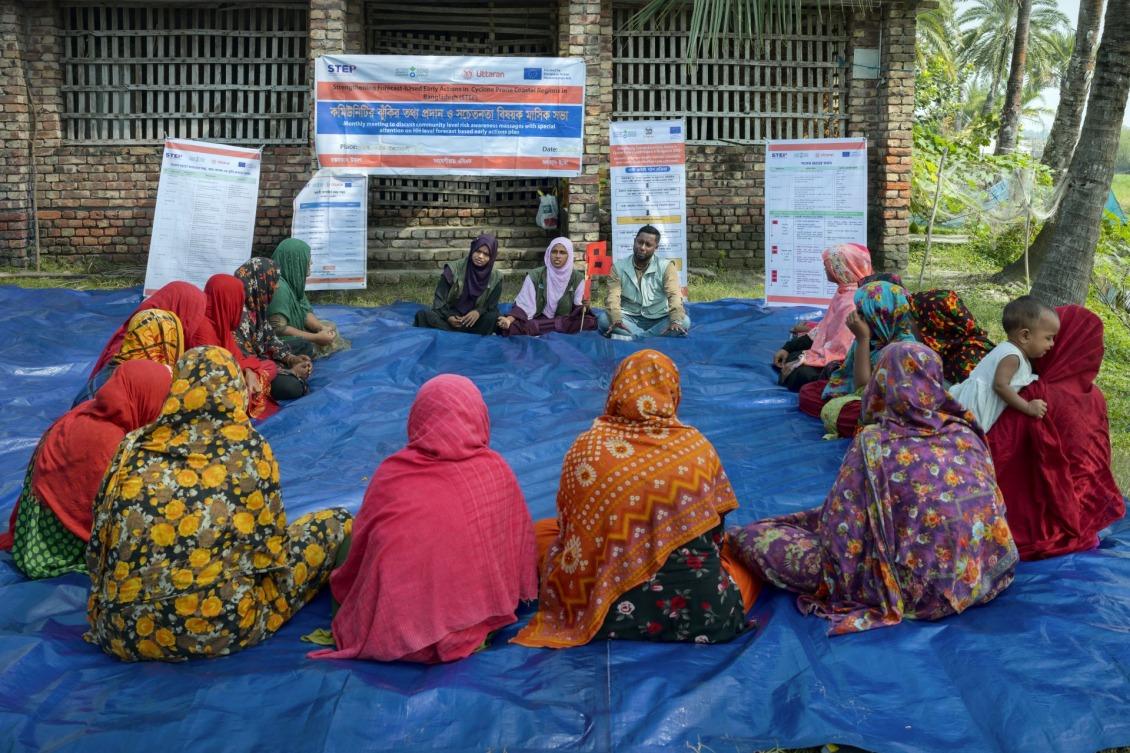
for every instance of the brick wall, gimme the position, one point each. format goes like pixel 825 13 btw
pixel 725 206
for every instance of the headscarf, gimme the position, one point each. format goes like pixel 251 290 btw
pixel 634 487
pixel 476 279
pixel 1055 471
pixel 914 524
pixel 947 326
pixel 443 548
pixel 181 298
pixel 255 336
pixel 846 264
pixel 885 308
pixel 225 296
pixel 293 259
pixel 152 335
pixel 556 280
pixel 75 451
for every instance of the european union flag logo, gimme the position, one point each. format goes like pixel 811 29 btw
pixel 243 164
pixel 845 154
pixel 676 129
pixel 531 74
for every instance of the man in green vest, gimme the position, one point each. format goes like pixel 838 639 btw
pixel 644 296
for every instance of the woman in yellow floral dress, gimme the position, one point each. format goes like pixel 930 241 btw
pixel 191 554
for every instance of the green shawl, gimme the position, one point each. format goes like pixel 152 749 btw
pixel 293 259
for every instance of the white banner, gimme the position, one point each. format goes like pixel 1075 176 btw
pixel 815 197
pixel 433 115
pixel 331 213
pixel 204 221
pixel 647 164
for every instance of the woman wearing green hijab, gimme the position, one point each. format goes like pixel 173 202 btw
pixel 291 314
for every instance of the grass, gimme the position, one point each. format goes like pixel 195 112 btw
pixel 1121 188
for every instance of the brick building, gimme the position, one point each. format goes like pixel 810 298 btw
pixel 89 89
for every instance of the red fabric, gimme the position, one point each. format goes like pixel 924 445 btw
pixel 181 298
pixel 1055 472
pixel 599 264
pixel 810 401
pixel 224 295
pixel 77 449
pixel 443 547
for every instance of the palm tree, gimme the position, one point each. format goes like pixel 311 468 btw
pixel 1074 86
pixel 1010 114
pixel 936 32
pixel 1065 275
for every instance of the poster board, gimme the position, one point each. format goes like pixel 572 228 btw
pixel 331 213
pixel 440 115
pixel 647 164
pixel 815 197
pixel 204 221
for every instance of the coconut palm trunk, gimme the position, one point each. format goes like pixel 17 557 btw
pixel 1073 91
pixel 1010 115
pixel 1065 275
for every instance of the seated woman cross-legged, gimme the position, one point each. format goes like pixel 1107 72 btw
pixel 551 297
pixel 291 314
pixel 914 526
pixel 443 548
pixel 636 547
pixel 466 298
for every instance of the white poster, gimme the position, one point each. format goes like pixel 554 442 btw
pixel 331 213
pixel 647 160
pixel 815 197
pixel 204 222
pixel 440 115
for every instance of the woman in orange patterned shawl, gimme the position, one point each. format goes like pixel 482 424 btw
pixel 640 509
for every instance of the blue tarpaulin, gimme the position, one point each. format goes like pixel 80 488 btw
pixel 1044 667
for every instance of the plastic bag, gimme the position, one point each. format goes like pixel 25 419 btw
pixel 546 217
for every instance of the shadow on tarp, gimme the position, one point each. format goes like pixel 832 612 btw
pixel 1042 668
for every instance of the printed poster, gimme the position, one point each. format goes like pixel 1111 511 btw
pixel 647 163
pixel 815 197
pixel 438 115
pixel 204 221
pixel 331 213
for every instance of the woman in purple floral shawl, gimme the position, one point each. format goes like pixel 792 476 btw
pixel 914 526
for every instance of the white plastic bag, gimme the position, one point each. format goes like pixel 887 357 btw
pixel 547 211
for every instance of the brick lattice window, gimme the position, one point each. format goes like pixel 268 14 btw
pixel 791 86
pixel 460 27
pixel 231 73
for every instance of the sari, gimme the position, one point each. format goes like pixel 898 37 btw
pixel 831 339
pixel 152 335
pixel 190 554
pixel 887 311
pixel 948 327
pixel 914 526
pixel 1055 471
pixel 443 547
pixel 184 300
pixel 224 310
pixel 640 492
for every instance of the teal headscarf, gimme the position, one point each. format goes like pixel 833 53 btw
pixel 292 257
pixel 887 311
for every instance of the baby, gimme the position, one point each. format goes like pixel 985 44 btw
pixel 1031 328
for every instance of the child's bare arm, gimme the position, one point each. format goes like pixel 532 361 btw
pixel 1007 369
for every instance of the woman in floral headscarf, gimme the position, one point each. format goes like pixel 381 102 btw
pixel 150 335
pixel 914 527
pixel 804 358
pixel 948 327
pixel 640 507
pixel 882 317
pixel 191 554
pixel 290 312
pixel 467 293
pixel 551 297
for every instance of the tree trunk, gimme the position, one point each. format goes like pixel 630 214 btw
pixel 1066 273
pixel 1010 116
pixel 1074 87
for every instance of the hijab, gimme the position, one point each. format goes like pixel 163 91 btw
pixel 556 280
pixel 831 339
pixel 293 259
pixel 476 279
pixel 885 308
pixel 947 326
pixel 180 298
pixel 152 335
pixel 254 335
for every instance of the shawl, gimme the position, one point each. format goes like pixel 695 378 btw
pixel 76 450
pixel 152 335
pixel 948 327
pixel 225 296
pixel 634 488
pixel 443 542
pixel 831 339
pixel 476 280
pixel 1055 471
pixel 293 259
pixel 254 335
pixel 885 308
pixel 556 280
pixel 914 525
pixel 181 298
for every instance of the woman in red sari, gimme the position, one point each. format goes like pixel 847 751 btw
pixel 224 310
pixel 1055 471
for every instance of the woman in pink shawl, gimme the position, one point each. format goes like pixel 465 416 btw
pixel 804 358
pixel 443 548
pixel 551 297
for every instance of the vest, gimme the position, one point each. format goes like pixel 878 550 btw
pixel 458 271
pixel 648 298
pixel 565 302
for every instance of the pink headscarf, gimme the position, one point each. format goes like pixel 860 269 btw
pixel 443 547
pixel 847 264
pixel 557 280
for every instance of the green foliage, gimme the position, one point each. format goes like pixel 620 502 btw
pixel 1122 160
pixel 1000 248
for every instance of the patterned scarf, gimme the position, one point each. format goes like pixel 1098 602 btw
pixel 634 488
pixel 260 278
pixel 152 335
pixel 885 308
pixel 947 326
